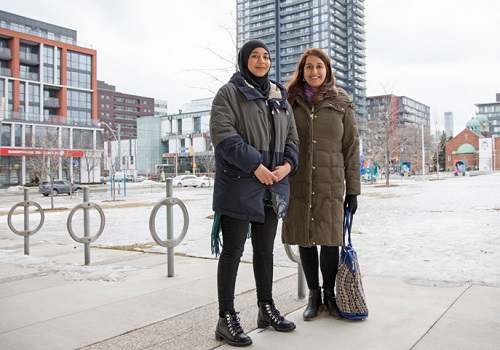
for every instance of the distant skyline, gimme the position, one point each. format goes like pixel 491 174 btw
pixel 443 54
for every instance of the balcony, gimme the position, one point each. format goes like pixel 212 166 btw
pixel 29 76
pixel 6 72
pixel 29 58
pixel 5 53
pixel 39 118
pixel 51 102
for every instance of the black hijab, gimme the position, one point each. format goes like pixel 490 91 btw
pixel 260 83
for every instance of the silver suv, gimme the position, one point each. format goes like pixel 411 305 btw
pixel 60 186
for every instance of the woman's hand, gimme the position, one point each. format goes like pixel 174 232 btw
pixel 282 170
pixel 265 176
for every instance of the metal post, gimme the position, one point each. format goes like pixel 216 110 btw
pixel 176 155
pixel 86 225
pixel 170 229
pixel 423 153
pixel 26 222
pixel 301 282
pixel 119 148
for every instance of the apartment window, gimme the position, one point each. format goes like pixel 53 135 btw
pixel 48 64
pixel 79 70
pixel 79 107
pixel 6 129
pixel 28 136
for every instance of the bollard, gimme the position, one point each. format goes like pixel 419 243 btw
pixel 170 229
pixel 170 242
pixel 26 223
pixel 86 239
pixel 86 225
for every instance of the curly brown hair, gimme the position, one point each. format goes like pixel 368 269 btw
pixel 296 84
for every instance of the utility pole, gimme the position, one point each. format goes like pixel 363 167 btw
pixel 437 153
pixel 423 153
pixel 119 148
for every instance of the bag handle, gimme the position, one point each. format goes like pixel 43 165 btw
pixel 347 227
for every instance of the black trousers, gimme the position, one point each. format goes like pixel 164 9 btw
pixel 328 262
pixel 234 235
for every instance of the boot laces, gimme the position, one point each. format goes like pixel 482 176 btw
pixel 233 324
pixel 274 314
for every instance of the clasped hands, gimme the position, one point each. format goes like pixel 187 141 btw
pixel 269 177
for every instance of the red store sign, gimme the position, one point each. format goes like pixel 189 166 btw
pixel 19 152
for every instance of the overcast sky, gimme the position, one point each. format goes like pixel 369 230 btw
pixel 444 53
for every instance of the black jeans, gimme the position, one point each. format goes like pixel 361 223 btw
pixel 328 262
pixel 234 235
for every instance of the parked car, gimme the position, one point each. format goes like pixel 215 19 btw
pixel 130 178
pixel 184 180
pixel 139 178
pixel 204 181
pixel 60 186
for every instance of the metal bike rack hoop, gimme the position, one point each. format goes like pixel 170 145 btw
pixel 26 233
pixel 169 201
pixel 85 205
pixel 291 254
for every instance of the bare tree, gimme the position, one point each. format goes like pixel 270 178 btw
pixel 220 75
pixel 90 160
pixel 381 136
pixel 48 156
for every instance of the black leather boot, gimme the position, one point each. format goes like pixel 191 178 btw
pixel 331 303
pixel 270 316
pixel 314 304
pixel 229 329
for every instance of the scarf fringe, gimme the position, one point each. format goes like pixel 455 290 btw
pixel 216 235
pixel 216 239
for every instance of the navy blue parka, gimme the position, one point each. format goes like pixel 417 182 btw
pixel 248 130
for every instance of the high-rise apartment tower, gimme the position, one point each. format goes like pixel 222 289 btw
pixel 448 124
pixel 289 27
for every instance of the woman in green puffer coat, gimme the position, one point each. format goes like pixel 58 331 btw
pixel 328 176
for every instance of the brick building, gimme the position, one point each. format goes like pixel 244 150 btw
pixel 473 147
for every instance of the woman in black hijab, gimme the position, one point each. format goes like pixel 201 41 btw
pixel 255 145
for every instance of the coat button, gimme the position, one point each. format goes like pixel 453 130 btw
pixel 314 141
pixel 312 219
pixel 314 167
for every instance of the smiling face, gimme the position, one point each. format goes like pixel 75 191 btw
pixel 259 62
pixel 314 71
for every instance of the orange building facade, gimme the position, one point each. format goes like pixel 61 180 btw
pixel 48 86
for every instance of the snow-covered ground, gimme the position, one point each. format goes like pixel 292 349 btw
pixel 432 230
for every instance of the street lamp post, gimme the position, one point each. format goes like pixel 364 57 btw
pixel 111 166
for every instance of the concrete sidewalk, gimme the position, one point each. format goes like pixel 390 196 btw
pixel 124 300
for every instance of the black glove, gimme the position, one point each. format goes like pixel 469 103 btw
pixel 351 202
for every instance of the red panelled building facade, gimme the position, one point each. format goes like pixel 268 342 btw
pixel 48 90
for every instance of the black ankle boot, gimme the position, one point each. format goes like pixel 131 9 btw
pixel 331 303
pixel 229 329
pixel 314 304
pixel 270 316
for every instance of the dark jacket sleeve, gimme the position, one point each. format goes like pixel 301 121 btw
pixel 225 138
